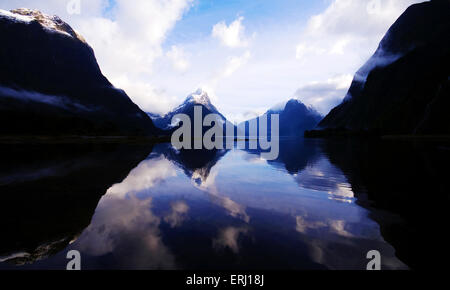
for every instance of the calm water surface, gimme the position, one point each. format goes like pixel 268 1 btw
pixel 189 210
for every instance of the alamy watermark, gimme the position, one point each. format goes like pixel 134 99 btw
pixel 375 260
pixel 75 261
pixel 222 134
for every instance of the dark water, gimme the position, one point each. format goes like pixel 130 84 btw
pixel 321 205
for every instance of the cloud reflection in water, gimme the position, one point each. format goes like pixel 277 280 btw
pixel 141 220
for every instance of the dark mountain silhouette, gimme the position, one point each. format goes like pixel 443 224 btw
pixel 405 87
pixel 51 84
pixel 295 119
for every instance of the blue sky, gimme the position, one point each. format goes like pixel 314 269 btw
pixel 197 22
pixel 249 55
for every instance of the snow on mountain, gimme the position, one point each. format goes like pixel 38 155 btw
pixel 198 98
pixel 50 23
pixel 15 17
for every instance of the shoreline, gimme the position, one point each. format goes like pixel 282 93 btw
pixel 326 134
pixel 83 139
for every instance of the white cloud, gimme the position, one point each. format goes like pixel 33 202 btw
pixel 128 228
pixel 232 64
pixel 325 95
pixel 229 238
pixel 340 40
pixel 208 185
pixel 178 214
pixel 148 97
pixel 337 227
pixel 149 20
pixel 58 7
pixel 252 113
pixel 145 176
pixel 178 58
pixel 357 18
pixel 128 46
pixel 232 35
pixel 350 25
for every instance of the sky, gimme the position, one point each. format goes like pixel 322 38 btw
pixel 249 55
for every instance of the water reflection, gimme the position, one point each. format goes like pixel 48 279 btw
pixel 230 210
pixel 404 186
pixel 228 238
pixel 178 214
pixel 325 177
pixel 125 234
pixel 49 193
pixel 152 171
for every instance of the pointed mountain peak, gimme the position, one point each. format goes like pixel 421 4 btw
pixel 200 97
pixel 298 102
pixel 283 105
pixel 294 102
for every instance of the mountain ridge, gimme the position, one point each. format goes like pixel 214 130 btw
pixel 43 86
pixel 295 119
pixel 410 94
pixel 198 98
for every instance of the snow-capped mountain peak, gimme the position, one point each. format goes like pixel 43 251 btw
pixel 200 97
pixel 50 23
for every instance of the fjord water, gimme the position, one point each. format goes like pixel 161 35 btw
pixel 320 205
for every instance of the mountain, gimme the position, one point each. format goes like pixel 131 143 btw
pixel 199 98
pixel 51 83
pixel 295 119
pixel 404 88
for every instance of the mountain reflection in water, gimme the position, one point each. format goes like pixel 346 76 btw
pixel 312 208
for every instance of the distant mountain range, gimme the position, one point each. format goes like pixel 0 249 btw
pixel 295 119
pixel 51 84
pixel 404 88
